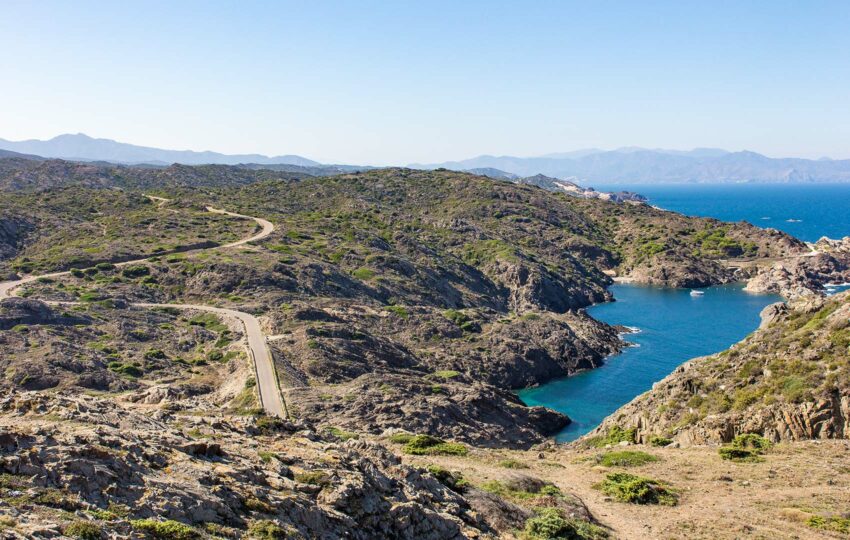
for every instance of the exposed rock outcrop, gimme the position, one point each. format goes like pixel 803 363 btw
pixel 90 456
pixel 458 408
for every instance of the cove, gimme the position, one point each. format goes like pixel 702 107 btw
pixel 673 328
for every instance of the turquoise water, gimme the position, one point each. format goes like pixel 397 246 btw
pixel 814 210
pixel 674 327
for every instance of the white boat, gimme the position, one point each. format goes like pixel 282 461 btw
pixel 696 293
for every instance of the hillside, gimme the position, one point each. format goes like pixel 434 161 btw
pixel 788 381
pixel 401 308
pixel 449 287
pixel 78 227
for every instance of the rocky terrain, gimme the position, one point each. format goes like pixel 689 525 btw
pixel 788 381
pixel 417 300
pixel 401 307
pixel 70 461
pixel 806 276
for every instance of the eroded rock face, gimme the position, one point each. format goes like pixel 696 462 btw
pixel 17 311
pixel 458 409
pixel 805 276
pixel 682 274
pixel 535 288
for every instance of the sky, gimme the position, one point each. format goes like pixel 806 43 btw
pixel 421 82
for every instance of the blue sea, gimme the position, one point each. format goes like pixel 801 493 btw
pixel 807 211
pixel 674 326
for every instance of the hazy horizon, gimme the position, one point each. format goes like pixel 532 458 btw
pixel 386 84
pixel 539 155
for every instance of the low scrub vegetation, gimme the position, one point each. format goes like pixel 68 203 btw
pixel 830 523
pixel 747 447
pixel 165 530
pixel 614 436
pixel 551 523
pixel 634 489
pixel 659 441
pixel 625 458
pixel 451 479
pixel 83 530
pixel 426 445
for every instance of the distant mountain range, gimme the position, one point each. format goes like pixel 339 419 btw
pixel 81 147
pixel 594 166
pixel 638 165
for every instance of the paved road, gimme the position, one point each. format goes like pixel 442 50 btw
pixel 267 384
pixel 270 396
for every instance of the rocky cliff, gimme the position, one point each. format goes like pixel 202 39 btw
pixel 798 277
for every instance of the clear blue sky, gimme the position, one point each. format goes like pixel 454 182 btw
pixel 397 82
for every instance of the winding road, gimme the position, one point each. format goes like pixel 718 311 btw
pixel 268 386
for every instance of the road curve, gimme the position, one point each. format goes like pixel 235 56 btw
pixel 267 383
pixel 270 396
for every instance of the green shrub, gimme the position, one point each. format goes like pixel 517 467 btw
pixel 363 273
pixel 342 434
pixel 625 458
pixel 834 523
pixel 446 374
pixel 165 530
pixel 266 530
pixel 747 447
pixel 209 321
pixel 657 440
pixel 77 273
pixel 316 478
pixel 634 489
pixel 738 454
pixel 266 456
pixel 452 480
pixel 84 530
pixel 401 438
pixel 269 424
pixel 254 504
pixel 550 523
pixel 125 369
pixel 135 271
pixel 752 441
pixel 461 319
pixel 614 436
pixel 426 445
pixel 398 311
pixel 105 266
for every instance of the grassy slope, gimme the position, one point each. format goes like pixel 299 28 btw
pixel 76 227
